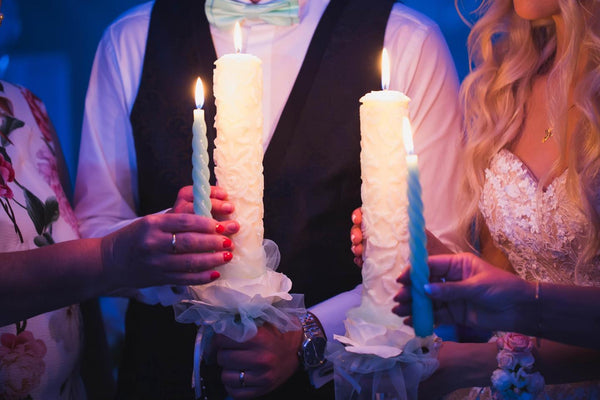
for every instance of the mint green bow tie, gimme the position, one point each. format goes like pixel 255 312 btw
pixel 225 13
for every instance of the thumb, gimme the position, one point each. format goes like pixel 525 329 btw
pixel 449 291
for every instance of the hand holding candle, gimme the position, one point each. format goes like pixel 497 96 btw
pixel 422 309
pixel 250 293
pixel 386 180
pixel 200 171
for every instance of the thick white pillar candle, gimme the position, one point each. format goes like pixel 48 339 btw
pixel 383 169
pixel 238 155
pixel 372 328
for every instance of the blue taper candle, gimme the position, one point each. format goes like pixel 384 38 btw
pixel 422 309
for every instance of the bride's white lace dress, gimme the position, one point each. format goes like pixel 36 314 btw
pixel 541 233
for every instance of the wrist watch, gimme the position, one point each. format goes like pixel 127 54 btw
pixel 312 351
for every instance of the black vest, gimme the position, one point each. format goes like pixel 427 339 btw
pixel 311 167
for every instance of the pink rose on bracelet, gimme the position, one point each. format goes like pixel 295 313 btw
pixel 21 364
pixel 515 378
pixel 515 342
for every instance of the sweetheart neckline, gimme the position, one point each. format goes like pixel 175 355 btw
pixel 529 172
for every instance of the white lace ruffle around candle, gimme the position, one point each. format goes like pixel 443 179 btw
pixel 249 292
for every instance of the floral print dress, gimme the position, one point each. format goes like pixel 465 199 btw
pixel 39 356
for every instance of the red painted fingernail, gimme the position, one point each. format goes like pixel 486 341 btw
pixel 227 256
pixel 219 228
pixel 214 275
pixel 227 243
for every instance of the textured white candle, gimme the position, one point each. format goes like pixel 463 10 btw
pixel 383 168
pixel 372 328
pixel 238 156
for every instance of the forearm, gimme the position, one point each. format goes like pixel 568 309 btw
pixel 568 314
pixel 462 365
pixel 561 363
pixel 44 279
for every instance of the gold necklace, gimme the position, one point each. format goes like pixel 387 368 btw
pixel 548 134
pixel 549 131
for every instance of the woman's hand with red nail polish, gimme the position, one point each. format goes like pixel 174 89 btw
pixel 356 237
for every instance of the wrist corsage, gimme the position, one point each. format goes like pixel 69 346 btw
pixel 515 377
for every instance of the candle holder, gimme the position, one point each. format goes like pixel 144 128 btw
pixel 383 358
pixel 370 377
pixel 249 292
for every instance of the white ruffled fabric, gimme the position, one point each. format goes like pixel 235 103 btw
pixel 236 307
pixel 366 376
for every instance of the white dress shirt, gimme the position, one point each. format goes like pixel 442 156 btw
pixel 106 195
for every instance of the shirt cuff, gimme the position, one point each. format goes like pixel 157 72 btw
pixel 331 314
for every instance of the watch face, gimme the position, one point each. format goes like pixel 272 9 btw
pixel 314 351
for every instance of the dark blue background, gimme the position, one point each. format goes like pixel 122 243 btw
pixel 49 46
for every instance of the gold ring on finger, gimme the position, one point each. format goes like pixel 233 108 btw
pixel 243 379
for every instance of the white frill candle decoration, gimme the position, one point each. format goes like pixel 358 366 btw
pixel 422 310
pixel 372 327
pixel 238 153
pixel 382 358
pixel 200 171
pixel 249 291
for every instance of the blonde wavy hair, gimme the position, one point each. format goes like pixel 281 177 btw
pixel 506 54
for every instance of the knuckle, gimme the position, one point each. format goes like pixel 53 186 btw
pixel 266 360
pixel 152 220
pixel 146 244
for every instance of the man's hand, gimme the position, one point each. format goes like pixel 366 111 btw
pixel 267 361
pixel 434 245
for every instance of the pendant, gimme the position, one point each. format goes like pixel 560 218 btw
pixel 548 134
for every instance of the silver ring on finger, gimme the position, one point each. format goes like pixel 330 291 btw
pixel 174 244
pixel 242 379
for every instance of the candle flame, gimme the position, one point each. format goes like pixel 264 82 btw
pixel 407 136
pixel 237 37
pixel 385 70
pixel 199 93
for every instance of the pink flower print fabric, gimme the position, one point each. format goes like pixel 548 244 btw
pixel 7 174
pixel 21 364
pixel 46 157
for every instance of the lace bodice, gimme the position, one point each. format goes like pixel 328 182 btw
pixel 539 231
